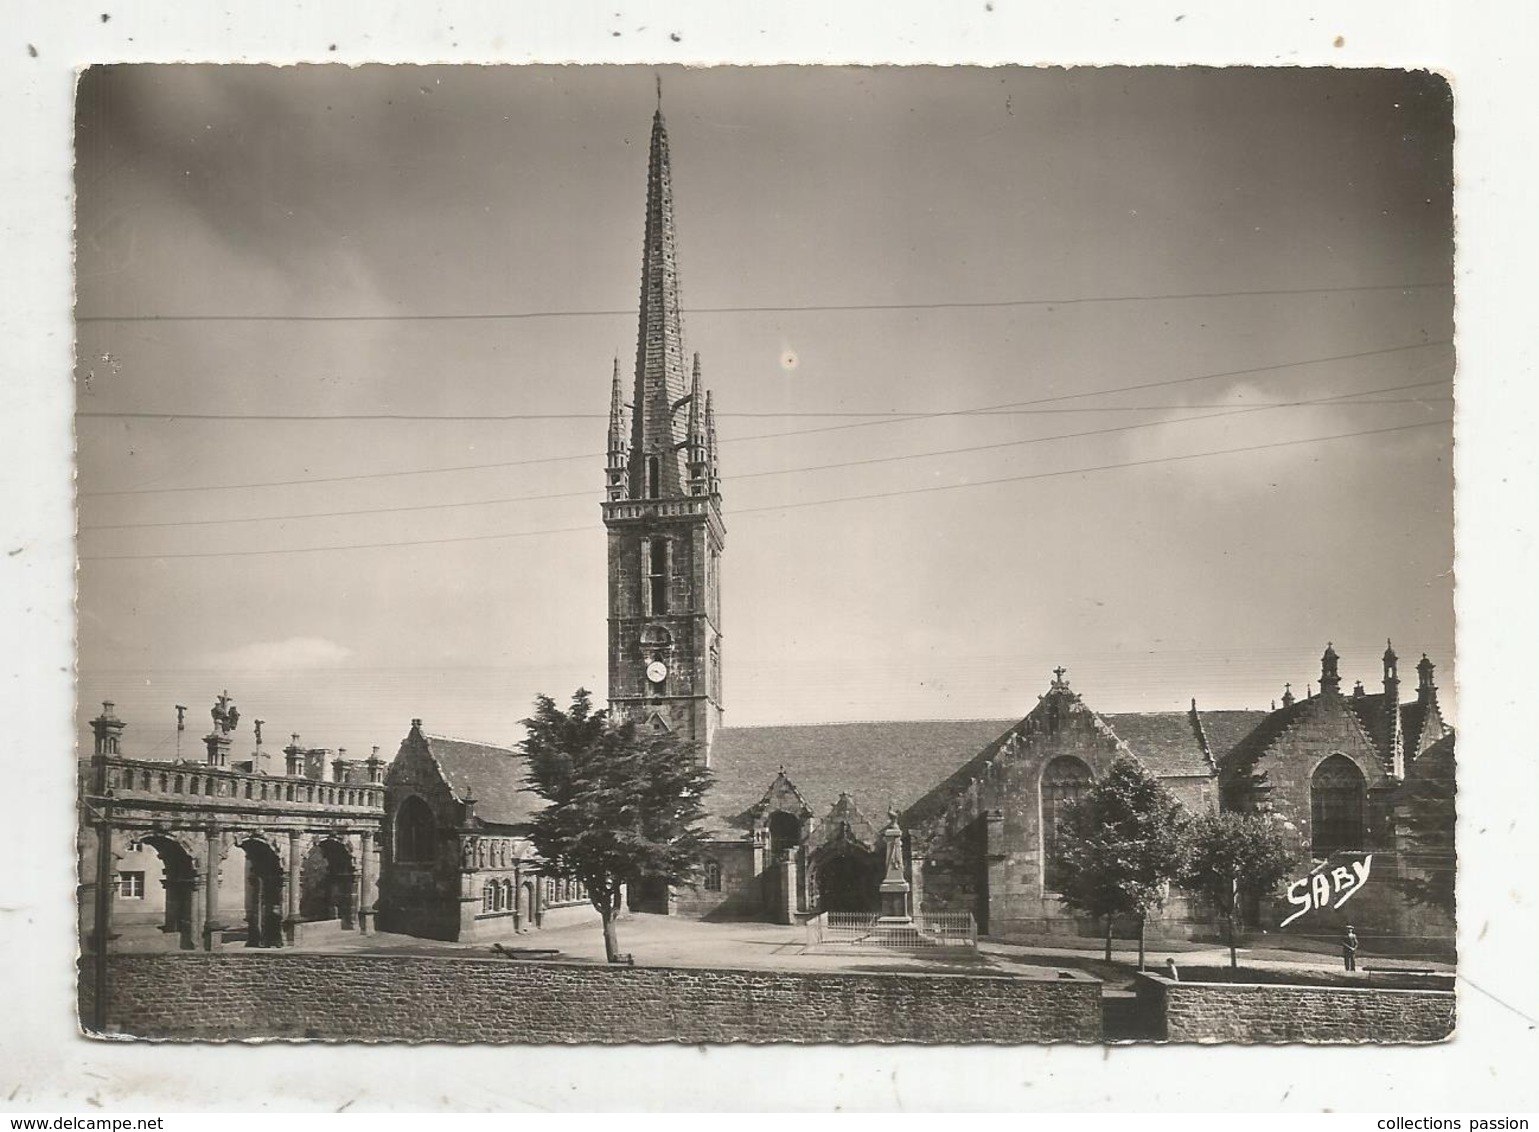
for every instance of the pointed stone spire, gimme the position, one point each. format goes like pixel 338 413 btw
pixel 615 464
pixel 699 473
pixel 713 466
pixel 1393 734
pixel 656 441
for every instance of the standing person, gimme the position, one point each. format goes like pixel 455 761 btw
pixel 1349 949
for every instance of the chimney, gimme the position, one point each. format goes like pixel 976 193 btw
pixel 1330 679
pixel 294 757
pixel 108 729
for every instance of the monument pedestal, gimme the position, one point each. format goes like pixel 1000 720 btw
pixel 895 888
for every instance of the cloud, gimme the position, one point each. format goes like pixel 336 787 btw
pixel 286 655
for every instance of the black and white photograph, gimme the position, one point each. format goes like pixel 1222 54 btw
pixel 784 554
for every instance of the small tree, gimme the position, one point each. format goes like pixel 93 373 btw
pixel 1233 856
pixel 622 802
pixel 1122 846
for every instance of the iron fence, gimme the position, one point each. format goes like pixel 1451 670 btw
pixel 921 932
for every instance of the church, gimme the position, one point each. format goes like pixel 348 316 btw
pixel 434 843
pixel 795 812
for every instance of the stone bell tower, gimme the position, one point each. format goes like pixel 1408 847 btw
pixel 662 505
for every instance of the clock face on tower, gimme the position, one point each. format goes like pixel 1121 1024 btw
pixel 657 672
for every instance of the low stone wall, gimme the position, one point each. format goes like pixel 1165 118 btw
pixel 1254 1012
pixel 219 996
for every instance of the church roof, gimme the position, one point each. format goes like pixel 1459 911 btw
pixel 878 763
pixel 1165 742
pixel 493 776
pixel 1226 730
pixel 900 762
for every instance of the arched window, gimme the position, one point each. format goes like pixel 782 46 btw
pixel 1336 793
pixel 1063 781
pixel 713 876
pixel 489 897
pixel 654 477
pixel 415 831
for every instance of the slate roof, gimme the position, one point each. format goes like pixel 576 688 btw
pixel 1226 730
pixel 1413 717
pixel 493 776
pixel 1369 710
pixel 900 762
pixel 1164 741
pixel 878 763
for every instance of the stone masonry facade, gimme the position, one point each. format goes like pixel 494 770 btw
pixel 237 996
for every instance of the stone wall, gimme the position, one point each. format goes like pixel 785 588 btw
pixel 1252 1012
pixel 741 896
pixel 452 999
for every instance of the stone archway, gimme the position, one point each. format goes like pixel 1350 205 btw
pixel 326 883
pixel 524 914
pixel 264 894
pixel 847 880
pixel 179 875
pixel 785 831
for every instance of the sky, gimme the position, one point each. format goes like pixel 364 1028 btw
pixel 1057 270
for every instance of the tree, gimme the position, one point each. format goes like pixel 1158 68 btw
pixel 1123 842
pixel 1234 856
pixel 622 804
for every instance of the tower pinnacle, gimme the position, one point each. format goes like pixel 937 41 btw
pixel 658 438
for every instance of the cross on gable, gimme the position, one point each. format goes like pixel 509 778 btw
pixel 1058 675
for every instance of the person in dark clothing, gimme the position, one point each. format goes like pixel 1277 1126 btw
pixel 1349 949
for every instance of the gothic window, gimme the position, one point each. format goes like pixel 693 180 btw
pixel 489 897
pixel 655 558
pixel 1063 781
pixel 415 831
pixel 716 670
pixel 1336 793
pixel 654 477
pixel 713 876
pixel 178 787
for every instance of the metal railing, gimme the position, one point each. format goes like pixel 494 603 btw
pixel 923 931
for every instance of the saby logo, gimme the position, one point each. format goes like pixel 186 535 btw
pixel 1320 888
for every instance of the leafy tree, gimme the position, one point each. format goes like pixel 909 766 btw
pixel 1234 856
pixel 622 802
pixel 1123 844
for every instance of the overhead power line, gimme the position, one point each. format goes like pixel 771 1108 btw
pixel 901 457
pixel 590 528
pixel 491 316
pixel 981 411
